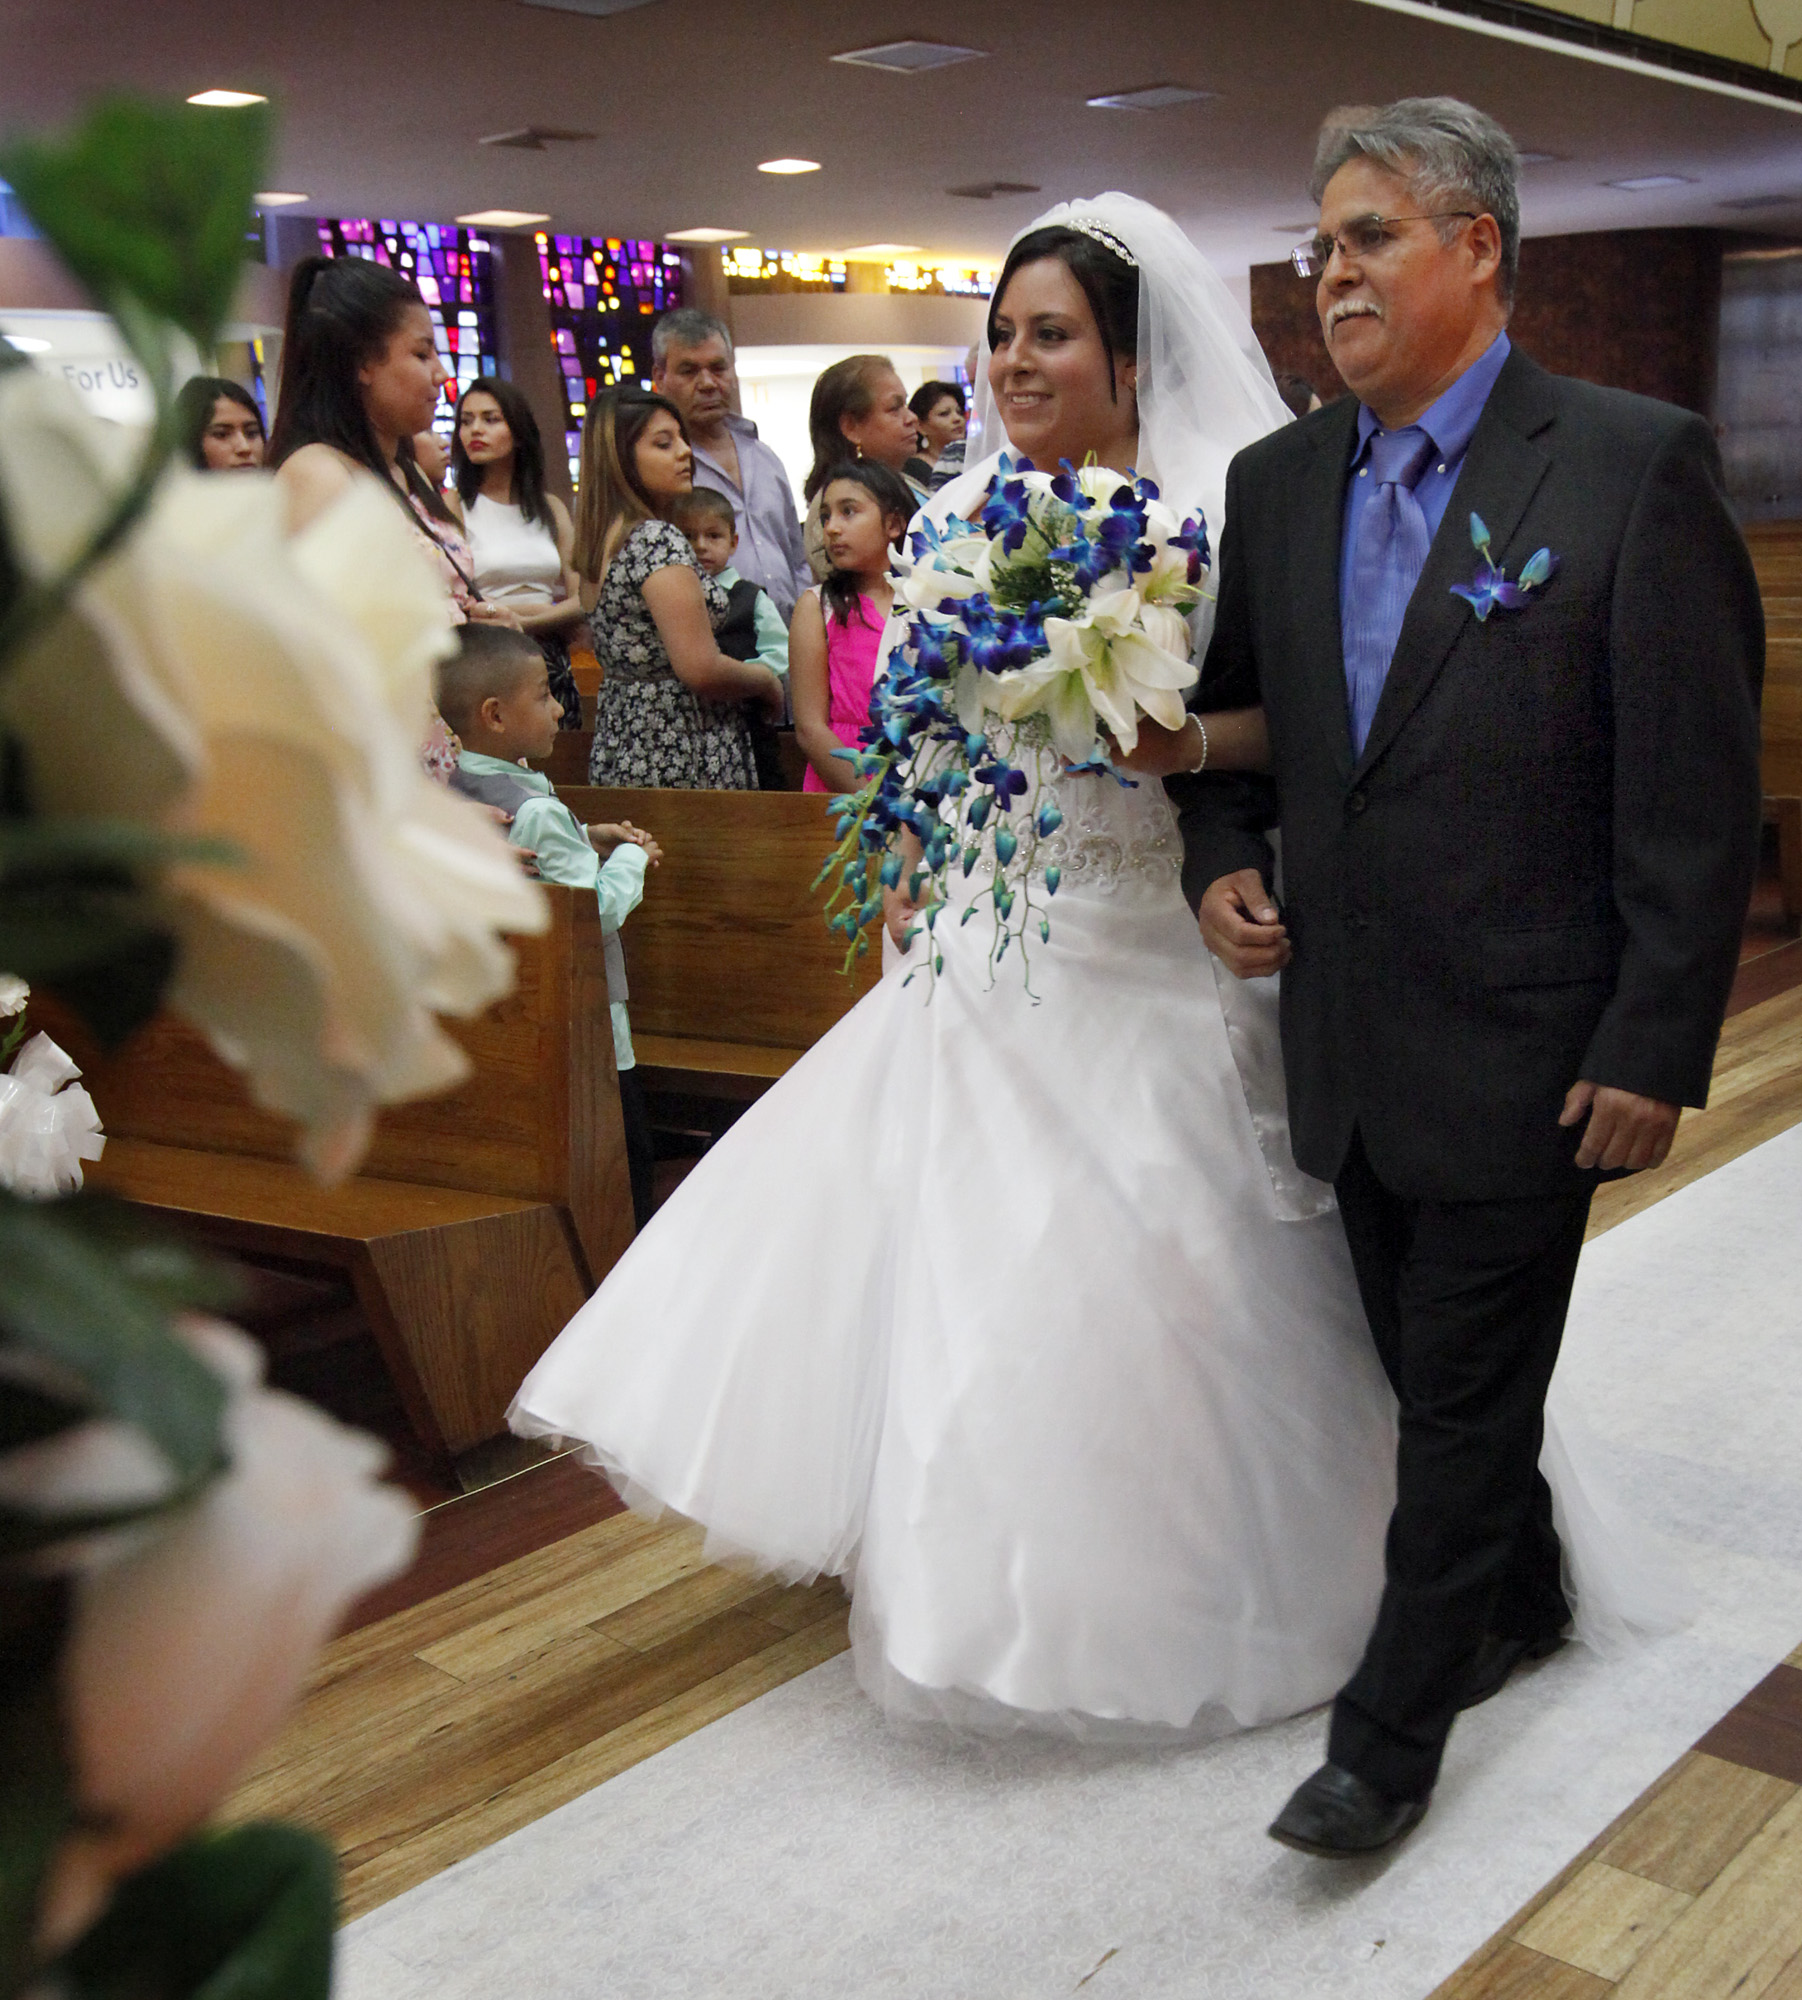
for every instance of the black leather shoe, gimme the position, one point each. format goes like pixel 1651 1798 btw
pixel 1497 1658
pixel 1336 1814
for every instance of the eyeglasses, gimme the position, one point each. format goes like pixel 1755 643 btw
pixel 1362 237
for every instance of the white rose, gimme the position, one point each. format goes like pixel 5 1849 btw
pixel 13 995
pixel 190 1640
pixel 216 677
pixel 48 1124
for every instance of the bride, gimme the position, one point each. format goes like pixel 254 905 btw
pixel 1017 1312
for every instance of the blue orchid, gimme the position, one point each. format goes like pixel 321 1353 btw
pixel 1489 590
pixel 1008 515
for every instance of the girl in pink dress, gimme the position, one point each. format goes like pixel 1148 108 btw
pixel 837 628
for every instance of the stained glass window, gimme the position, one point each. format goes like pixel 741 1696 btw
pixel 454 270
pixel 604 294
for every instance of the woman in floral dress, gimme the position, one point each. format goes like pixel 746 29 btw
pixel 671 707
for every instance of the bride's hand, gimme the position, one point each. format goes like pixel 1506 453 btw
pixel 899 911
pixel 1224 739
pixel 1159 752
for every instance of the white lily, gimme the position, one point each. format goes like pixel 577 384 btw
pixel 1110 663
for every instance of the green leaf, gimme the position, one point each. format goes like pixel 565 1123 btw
pixel 246 1914
pixel 35 1806
pixel 88 1287
pixel 147 204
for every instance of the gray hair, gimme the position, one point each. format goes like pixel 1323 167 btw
pixel 686 326
pixel 1450 154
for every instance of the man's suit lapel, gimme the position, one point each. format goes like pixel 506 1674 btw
pixel 1503 467
pixel 1319 525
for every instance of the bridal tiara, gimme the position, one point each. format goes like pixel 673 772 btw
pixel 1106 238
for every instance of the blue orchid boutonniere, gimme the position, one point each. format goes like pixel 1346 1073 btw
pixel 1489 589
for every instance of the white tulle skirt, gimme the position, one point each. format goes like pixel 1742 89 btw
pixel 990 1307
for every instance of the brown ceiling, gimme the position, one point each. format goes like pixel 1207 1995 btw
pixel 383 102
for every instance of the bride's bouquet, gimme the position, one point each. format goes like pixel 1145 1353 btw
pixel 1056 612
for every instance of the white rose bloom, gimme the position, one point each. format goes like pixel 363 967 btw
pixel 216 677
pixel 13 995
pixel 190 1639
pixel 48 1124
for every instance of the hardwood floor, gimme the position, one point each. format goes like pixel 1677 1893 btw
pixel 547 1640
pixel 429 1733
pixel 1694 1893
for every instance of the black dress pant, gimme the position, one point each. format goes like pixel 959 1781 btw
pixel 641 1147
pixel 1466 1301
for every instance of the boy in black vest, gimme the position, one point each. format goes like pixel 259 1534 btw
pixel 495 693
pixel 753 628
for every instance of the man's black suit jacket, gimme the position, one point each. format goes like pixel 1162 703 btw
pixel 1538 869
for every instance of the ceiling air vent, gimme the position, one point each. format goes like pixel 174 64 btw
pixel 988 190
pixel 1156 97
pixel 534 138
pixel 907 58
pixel 586 6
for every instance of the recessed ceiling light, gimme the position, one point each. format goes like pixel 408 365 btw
pixel 1644 183
pixel 788 166
pixel 228 100
pixel 1154 97
pixel 534 138
pixel 910 57
pixel 868 250
pixel 29 343
pixel 503 218
pixel 272 198
pixel 988 190
pixel 1538 159
pixel 705 235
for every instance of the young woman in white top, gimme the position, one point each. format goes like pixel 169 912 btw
pixel 519 535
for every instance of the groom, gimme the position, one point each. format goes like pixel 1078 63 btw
pixel 1517 850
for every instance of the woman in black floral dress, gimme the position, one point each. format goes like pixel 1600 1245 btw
pixel 671 708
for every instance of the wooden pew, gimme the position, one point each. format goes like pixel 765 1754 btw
pixel 1777 558
pixel 480 1220
pixel 733 972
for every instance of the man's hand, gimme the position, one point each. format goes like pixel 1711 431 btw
pixel 1625 1130
pixel 1240 926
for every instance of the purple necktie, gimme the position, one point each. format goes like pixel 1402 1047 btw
pixel 1388 555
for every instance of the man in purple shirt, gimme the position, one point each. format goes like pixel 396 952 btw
pixel 1508 643
pixel 691 364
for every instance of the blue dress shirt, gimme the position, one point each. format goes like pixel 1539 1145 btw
pixel 1450 423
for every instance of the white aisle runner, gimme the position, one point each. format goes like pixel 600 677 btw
pixel 801 1850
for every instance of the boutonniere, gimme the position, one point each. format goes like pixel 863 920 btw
pixel 1489 589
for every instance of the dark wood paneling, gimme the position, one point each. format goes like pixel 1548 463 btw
pixel 1630 308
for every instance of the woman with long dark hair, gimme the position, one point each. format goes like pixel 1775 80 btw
pixel 361 374
pixel 858 411
pixel 221 426
pixel 520 536
pixel 670 711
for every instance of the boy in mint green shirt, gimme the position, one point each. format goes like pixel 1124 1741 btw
pixel 495 693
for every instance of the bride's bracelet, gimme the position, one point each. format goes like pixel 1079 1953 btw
pixel 1202 726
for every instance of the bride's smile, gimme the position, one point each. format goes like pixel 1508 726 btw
pixel 1060 391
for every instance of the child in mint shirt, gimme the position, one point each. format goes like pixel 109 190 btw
pixel 495 693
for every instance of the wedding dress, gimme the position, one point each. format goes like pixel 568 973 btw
pixel 1009 1304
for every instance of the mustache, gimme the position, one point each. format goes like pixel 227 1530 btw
pixel 1352 309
